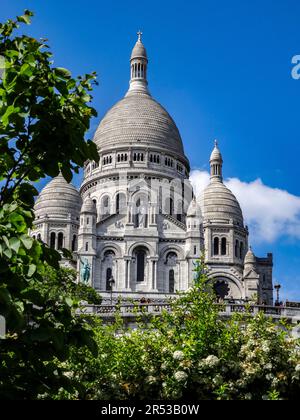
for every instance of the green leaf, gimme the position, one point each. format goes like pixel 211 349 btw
pixel 9 111
pixel 14 244
pixel 6 241
pixel 26 241
pixel 18 221
pixel 62 72
pixel 7 252
pixel 69 302
pixel 24 18
pixel 31 270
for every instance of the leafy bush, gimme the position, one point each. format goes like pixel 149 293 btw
pixel 190 353
pixel 44 115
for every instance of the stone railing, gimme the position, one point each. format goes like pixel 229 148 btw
pixel 225 310
pixel 127 309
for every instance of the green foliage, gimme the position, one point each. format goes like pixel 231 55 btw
pixel 63 281
pixel 189 353
pixel 44 115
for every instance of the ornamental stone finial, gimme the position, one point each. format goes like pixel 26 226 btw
pixel 216 143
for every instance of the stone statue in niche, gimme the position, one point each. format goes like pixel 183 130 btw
pixel 141 216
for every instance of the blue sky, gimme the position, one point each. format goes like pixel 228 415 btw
pixel 223 70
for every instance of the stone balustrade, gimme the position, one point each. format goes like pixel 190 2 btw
pixel 132 310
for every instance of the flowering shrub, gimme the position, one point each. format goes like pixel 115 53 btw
pixel 190 353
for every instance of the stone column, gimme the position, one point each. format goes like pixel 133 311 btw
pixel 127 273
pixel 179 276
pixel 98 274
pixel 154 274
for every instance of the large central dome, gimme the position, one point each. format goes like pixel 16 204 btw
pixel 138 120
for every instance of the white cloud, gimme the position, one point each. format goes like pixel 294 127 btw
pixel 271 213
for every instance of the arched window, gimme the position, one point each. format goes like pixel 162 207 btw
pixel 52 240
pixel 223 246
pixel 106 201
pixel 221 289
pixel 60 240
pixel 33 237
pixel 140 265
pixel 39 237
pixel 241 250
pixel 74 243
pixel 236 248
pixel 86 246
pixel 108 277
pixel 216 246
pixel 171 281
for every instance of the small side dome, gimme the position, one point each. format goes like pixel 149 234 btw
pixel 220 205
pixel 58 200
pixel 88 206
pixel 250 258
pixel 193 209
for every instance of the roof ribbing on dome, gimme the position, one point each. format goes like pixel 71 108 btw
pixel 138 120
pixel 58 199
pixel 219 204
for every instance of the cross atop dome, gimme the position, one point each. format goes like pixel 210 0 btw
pixel 139 34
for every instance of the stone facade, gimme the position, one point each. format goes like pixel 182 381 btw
pixel 140 230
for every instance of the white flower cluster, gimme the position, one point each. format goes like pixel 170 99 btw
pixel 180 376
pixel 210 361
pixel 178 355
pixel 151 380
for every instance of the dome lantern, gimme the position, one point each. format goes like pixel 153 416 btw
pixel 138 68
pixel 216 163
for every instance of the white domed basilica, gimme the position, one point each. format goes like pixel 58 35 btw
pixel 135 228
